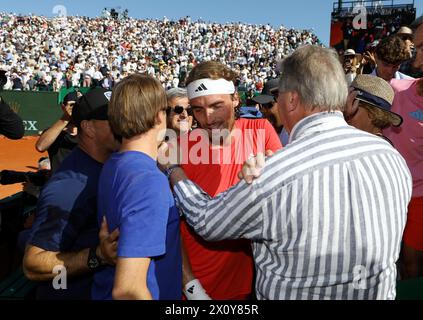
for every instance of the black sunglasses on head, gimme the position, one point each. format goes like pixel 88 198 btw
pixel 179 110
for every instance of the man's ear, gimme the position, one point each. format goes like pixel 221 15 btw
pixel 87 128
pixel 160 117
pixel 235 100
pixel 293 101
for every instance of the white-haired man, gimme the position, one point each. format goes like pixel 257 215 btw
pixel 179 113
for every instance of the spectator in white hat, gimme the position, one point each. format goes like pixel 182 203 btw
pixel 351 65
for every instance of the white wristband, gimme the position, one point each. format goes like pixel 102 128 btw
pixel 194 291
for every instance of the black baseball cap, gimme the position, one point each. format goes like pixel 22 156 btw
pixel 266 95
pixel 92 106
pixel 71 96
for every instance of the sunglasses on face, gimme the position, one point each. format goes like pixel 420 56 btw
pixel 268 105
pixel 179 110
pixel 405 38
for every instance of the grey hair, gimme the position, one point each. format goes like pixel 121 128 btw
pixel 176 93
pixel 417 23
pixel 316 74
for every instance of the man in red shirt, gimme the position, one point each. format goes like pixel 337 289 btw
pixel 213 156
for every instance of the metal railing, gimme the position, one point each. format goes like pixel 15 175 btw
pixel 373 5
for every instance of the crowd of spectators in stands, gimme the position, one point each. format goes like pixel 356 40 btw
pixel 49 54
pixel 381 22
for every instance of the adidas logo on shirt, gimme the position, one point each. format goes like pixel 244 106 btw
pixel 201 88
pixel 191 289
pixel 418 115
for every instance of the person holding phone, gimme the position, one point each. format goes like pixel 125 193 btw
pixel 60 139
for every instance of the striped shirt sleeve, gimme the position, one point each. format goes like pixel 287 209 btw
pixel 234 214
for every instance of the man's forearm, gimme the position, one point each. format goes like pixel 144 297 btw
pixel 132 295
pixel 235 213
pixel 49 136
pixel 39 264
pixel 130 281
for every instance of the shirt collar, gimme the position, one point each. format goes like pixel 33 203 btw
pixel 397 75
pixel 317 122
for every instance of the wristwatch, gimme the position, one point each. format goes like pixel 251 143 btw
pixel 94 262
pixel 168 172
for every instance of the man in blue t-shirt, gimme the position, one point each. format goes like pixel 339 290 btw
pixel 65 231
pixel 135 197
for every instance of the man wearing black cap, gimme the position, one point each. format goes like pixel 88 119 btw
pixel 268 106
pixel 60 139
pixel 65 232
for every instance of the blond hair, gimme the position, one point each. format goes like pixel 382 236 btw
pixel 212 70
pixel 135 104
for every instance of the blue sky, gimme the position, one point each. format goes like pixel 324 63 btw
pixel 305 14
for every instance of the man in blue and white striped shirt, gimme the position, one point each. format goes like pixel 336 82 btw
pixel 327 214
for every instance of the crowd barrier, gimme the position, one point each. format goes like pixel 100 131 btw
pixel 38 110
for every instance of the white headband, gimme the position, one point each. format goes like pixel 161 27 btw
pixel 207 87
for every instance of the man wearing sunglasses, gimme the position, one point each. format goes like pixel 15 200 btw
pixel 409 68
pixel 179 114
pixel 268 106
pixel 406 34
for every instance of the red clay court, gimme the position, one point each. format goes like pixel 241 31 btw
pixel 19 155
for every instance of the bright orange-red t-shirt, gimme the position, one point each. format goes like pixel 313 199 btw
pixel 225 268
